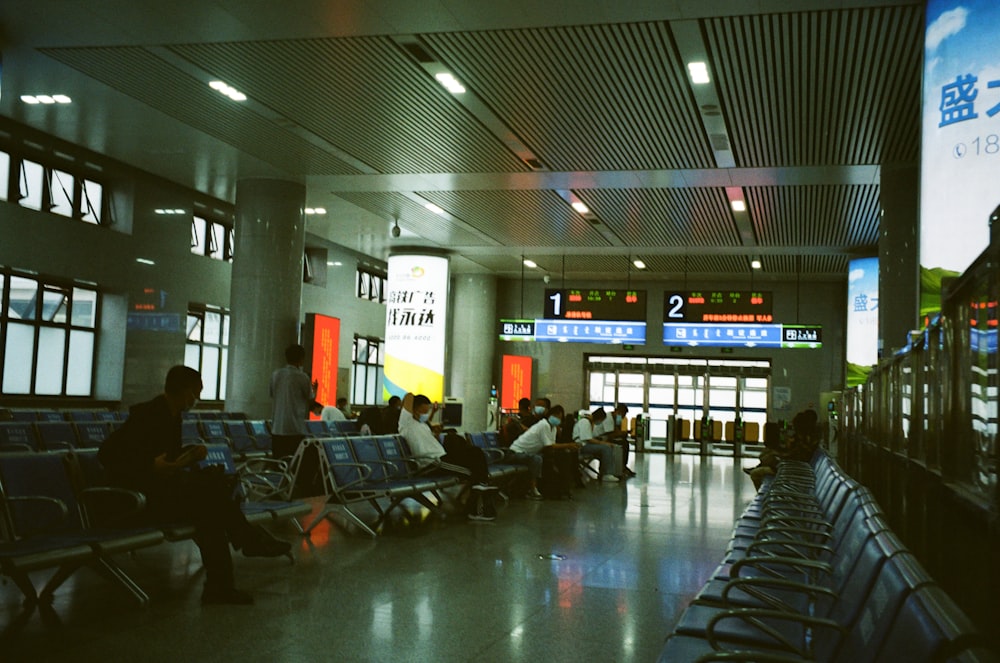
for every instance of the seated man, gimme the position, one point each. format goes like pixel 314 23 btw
pixel 611 431
pixel 527 449
pixel 590 446
pixel 465 460
pixel 145 455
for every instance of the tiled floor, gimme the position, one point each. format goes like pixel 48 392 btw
pixel 436 591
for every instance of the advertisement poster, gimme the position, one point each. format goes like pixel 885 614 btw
pixel 862 319
pixel 416 305
pixel 960 150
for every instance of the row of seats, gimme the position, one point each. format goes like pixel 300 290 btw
pixel 57 512
pixel 814 573
pixel 78 415
pixel 380 473
pixel 53 435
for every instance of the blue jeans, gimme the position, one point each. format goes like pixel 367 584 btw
pixel 603 452
pixel 533 461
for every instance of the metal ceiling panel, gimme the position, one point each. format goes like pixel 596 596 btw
pixel 846 216
pixel 665 217
pixel 414 218
pixel 811 88
pixel 138 73
pixel 605 97
pixel 519 218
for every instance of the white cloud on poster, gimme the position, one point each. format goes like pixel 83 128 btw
pixel 856 275
pixel 948 24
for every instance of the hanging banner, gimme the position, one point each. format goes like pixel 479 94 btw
pixel 321 339
pixel 862 319
pixel 515 382
pixel 960 148
pixel 415 323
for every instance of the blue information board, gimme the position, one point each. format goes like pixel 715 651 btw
pixel 574 331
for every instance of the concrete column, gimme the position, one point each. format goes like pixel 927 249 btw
pixel 898 252
pixel 472 341
pixel 266 297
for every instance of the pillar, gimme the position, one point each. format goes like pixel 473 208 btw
pixel 266 297
pixel 472 345
pixel 898 252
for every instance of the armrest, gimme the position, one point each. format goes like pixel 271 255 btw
pixel 108 505
pixel 761 563
pixel 497 454
pixel 756 616
pixel 750 656
pixel 793 546
pixel 258 465
pixel 50 502
pixel 755 586
pixel 767 533
pixel 365 473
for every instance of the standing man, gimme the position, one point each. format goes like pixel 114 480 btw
pixel 293 396
pixel 145 455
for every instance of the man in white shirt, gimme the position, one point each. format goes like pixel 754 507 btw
pixel 583 434
pixel 463 459
pixel 331 413
pixel 293 395
pixel 527 448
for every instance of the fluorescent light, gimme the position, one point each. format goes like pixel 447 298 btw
pixel 321 210
pixel 45 99
pixel 227 90
pixel 739 205
pixel 530 263
pixel 28 99
pixel 580 207
pixel 449 82
pixel 145 261
pixel 699 72
pixel 218 85
pixel 755 263
pixel 61 99
pixel 639 264
pixel 434 208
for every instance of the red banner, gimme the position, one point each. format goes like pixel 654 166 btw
pixel 322 336
pixel 515 381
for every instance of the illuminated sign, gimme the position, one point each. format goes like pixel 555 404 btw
pixel 960 141
pixel 595 304
pixel 726 335
pixel 322 340
pixel 862 319
pixel 416 305
pixel 715 306
pixel 574 331
pixel 515 382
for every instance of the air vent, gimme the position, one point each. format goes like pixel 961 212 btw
pixel 719 141
pixel 419 53
pixel 594 221
pixel 534 164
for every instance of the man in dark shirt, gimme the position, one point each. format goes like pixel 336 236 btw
pixel 145 454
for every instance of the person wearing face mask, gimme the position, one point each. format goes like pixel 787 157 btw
pixel 462 459
pixel 611 431
pixel 146 455
pixel 527 449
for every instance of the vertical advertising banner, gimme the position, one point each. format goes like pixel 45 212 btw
pixel 416 305
pixel 960 150
pixel 862 319
pixel 322 341
pixel 515 382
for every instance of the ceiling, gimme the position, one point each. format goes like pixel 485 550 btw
pixel 566 101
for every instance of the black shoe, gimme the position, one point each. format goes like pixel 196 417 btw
pixel 748 470
pixel 629 473
pixel 228 596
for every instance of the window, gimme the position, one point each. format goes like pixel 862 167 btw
pixel 48 337
pixel 371 285
pixel 366 368
pixel 207 348
pixel 47 188
pixel 212 238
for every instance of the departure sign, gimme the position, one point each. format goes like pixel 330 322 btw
pixel 595 304
pixel 718 306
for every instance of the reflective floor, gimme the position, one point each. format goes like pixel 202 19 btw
pixel 602 576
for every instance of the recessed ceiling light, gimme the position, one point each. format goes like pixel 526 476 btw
pixel 47 99
pixel 61 99
pixel 227 90
pixel 639 264
pixel 530 263
pixel 739 206
pixel 315 210
pixel 450 82
pixel 434 208
pixel 580 207
pixel 145 261
pixel 755 263
pixel 699 72
pixel 28 99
